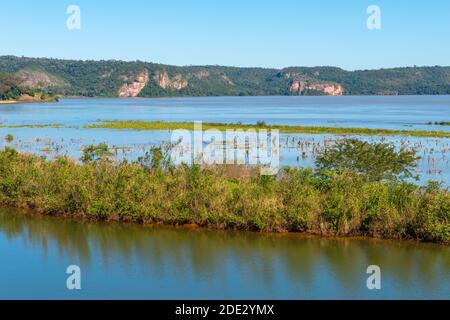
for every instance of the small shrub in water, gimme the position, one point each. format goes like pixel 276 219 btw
pixel 95 152
pixel 374 161
pixel 9 137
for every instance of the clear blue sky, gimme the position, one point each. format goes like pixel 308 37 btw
pixel 276 33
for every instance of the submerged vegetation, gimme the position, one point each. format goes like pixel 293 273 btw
pixel 162 125
pixel 341 200
pixel 439 123
pixel 32 125
pixel 95 152
pixel 9 137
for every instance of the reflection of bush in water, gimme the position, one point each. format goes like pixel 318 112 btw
pixel 164 250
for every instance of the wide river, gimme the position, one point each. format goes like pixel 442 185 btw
pixel 403 113
pixel 130 261
pixel 137 262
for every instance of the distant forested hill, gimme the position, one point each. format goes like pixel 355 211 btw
pixel 130 79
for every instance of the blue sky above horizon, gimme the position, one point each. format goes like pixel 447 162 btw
pixel 241 33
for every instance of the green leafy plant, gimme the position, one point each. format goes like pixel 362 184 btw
pixel 374 161
pixel 95 152
pixel 9 137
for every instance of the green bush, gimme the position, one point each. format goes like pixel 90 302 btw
pixel 9 137
pixel 95 152
pixel 375 161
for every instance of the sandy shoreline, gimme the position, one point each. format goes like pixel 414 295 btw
pixel 8 101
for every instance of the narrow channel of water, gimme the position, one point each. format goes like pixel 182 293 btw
pixel 132 261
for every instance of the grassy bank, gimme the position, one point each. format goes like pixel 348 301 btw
pixel 31 98
pixel 233 197
pixel 161 125
pixel 28 99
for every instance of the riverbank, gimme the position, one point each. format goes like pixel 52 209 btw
pixel 225 197
pixel 193 227
pixel 161 125
pixel 33 125
pixel 31 99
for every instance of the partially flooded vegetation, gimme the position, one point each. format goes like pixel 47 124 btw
pixel 32 125
pixel 163 125
pixel 345 199
pixel 439 123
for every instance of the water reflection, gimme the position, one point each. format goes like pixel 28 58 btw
pixel 209 264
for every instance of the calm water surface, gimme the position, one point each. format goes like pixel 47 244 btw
pixel 409 112
pixel 130 261
pixel 399 112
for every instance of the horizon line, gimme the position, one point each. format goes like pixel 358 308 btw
pixel 224 66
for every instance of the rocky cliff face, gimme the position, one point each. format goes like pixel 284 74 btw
pixel 164 81
pixel 200 75
pixel 134 87
pixel 162 78
pixel 302 84
pixel 329 89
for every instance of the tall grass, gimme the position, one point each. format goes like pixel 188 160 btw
pixel 162 125
pixel 33 125
pixel 298 200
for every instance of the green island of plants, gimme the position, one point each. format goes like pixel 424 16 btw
pixel 358 189
pixel 32 125
pixel 163 126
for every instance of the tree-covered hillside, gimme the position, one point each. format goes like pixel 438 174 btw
pixel 11 89
pixel 118 78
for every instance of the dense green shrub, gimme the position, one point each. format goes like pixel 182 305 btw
pixel 9 137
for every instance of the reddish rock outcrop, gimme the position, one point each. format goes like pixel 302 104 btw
pixel 329 89
pixel 133 88
pixel 165 82
pixel 202 74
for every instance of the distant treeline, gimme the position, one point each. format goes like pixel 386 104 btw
pixel 105 78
